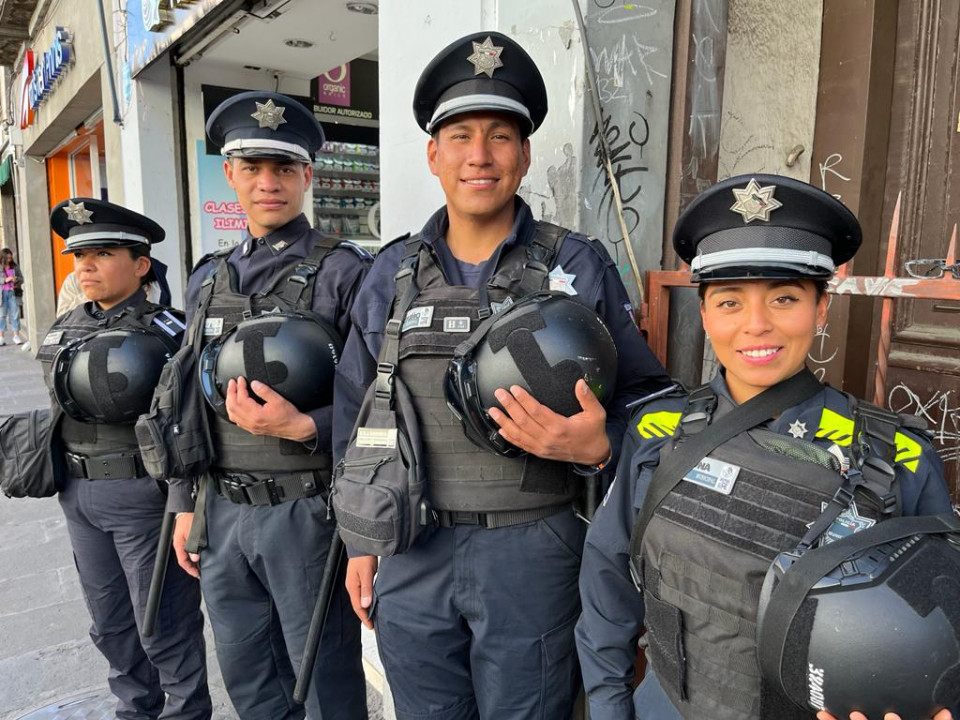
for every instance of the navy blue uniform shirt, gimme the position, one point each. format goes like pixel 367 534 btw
pixel 613 608
pixel 594 279
pixel 258 261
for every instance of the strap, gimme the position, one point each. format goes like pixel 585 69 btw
pixel 206 295
pixel 303 273
pixel 406 292
pixel 104 467
pixel 505 518
pixel 810 568
pixel 874 450
pixel 691 450
pixel 544 246
pixel 197 539
pixel 271 490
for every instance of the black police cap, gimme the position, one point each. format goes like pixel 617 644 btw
pixel 265 124
pixel 485 71
pixel 765 226
pixel 87 222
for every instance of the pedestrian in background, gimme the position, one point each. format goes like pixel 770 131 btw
pixel 12 290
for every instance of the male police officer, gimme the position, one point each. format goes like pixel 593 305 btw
pixel 108 353
pixel 762 248
pixel 476 620
pixel 266 518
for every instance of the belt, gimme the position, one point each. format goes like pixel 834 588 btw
pixel 248 490
pixel 451 518
pixel 104 467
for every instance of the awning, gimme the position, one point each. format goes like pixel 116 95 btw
pixel 6 170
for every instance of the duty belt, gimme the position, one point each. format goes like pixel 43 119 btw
pixel 245 489
pixel 104 467
pixel 451 518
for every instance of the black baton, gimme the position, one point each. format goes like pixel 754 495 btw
pixel 159 573
pixel 319 619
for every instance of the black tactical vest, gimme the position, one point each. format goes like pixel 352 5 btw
pixel 236 449
pixel 706 552
pixel 461 476
pixel 95 438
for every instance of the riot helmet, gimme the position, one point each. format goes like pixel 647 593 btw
pixel 110 377
pixel 878 633
pixel 294 353
pixel 544 343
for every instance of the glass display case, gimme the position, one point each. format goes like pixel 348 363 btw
pixel 346 192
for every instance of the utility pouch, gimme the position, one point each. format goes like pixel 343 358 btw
pixel 378 487
pixel 31 459
pixel 174 435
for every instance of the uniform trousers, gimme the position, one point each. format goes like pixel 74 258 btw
pixel 478 623
pixel 114 527
pixel 260 575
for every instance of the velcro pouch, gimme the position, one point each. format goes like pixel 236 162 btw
pixel 31 461
pixel 378 491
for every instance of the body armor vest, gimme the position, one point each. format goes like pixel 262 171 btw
pixel 706 553
pixel 237 450
pixel 461 476
pixel 97 438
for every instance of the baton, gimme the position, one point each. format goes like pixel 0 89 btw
pixel 319 619
pixel 159 573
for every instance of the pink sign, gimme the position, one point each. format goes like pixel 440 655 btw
pixel 334 86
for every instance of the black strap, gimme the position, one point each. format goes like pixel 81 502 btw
pixel 303 274
pixel 806 572
pixel 406 292
pixel 693 449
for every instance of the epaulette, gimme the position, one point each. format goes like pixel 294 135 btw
pixel 657 422
pixel 360 251
pixel 396 240
pixel 170 321
pixel 210 256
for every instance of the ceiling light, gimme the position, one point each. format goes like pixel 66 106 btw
pixel 298 43
pixel 364 8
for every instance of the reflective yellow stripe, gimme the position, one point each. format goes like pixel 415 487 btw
pixel 836 427
pixel 908 452
pixel 658 424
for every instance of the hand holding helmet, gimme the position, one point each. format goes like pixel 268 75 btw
pixel 275 416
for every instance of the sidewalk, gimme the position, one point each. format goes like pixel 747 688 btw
pixel 45 651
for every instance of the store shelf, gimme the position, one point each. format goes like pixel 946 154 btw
pixel 320 210
pixel 346 192
pixel 327 172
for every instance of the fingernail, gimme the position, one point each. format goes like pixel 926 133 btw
pixel 365 600
pixel 501 394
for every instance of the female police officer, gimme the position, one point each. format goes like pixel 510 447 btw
pixel 102 360
pixel 762 248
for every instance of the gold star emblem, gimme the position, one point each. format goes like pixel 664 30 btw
pixel 78 213
pixel 269 115
pixel 755 202
pixel 486 57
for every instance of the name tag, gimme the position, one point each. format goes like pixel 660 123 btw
pixel 376 437
pixel 53 338
pixel 714 475
pixel 212 327
pixel 419 317
pixel 456 324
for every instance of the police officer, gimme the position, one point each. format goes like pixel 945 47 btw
pixel 476 620
pixel 267 526
pixel 762 248
pixel 113 508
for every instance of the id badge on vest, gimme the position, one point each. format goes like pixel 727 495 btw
pixel 714 474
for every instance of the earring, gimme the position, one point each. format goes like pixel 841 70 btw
pixel 819 329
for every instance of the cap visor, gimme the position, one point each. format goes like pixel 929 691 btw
pixel 99 242
pixel 249 152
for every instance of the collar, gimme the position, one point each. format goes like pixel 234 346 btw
pixel 278 240
pixel 803 418
pixel 523 226
pixel 93 310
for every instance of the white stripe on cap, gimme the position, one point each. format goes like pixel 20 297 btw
pixel 466 103
pixel 76 237
pixel 261 143
pixel 760 256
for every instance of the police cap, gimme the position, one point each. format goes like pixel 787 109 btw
pixel 765 226
pixel 86 222
pixel 265 124
pixel 485 71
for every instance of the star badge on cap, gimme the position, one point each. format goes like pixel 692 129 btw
pixel 269 115
pixel 755 202
pixel 78 213
pixel 485 57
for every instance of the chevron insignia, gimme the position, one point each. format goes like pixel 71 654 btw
pixel 658 424
pixel 908 452
pixel 836 427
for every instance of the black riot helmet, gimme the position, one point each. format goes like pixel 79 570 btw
pixel 294 353
pixel 544 343
pixel 109 377
pixel 878 633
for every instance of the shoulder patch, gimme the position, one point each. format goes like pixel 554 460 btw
pixel 658 424
pixel 836 427
pixel 908 452
pixel 170 323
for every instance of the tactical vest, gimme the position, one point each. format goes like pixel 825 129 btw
pixel 709 545
pixel 461 476
pixel 236 449
pixel 96 438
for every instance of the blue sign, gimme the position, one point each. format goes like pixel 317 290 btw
pixel 153 25
pixel 50 66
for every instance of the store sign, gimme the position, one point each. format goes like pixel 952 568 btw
pixel 222 220
pixel 50 67
pixel 26 73
pixel 153 25
pixel 333 86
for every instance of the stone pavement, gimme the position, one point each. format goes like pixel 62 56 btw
pixel 45 651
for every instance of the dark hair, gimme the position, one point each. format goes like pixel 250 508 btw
pixel 8 251
pixel 819 284
pixel 138 251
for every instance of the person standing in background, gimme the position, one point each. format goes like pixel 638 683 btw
pixel 10 303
